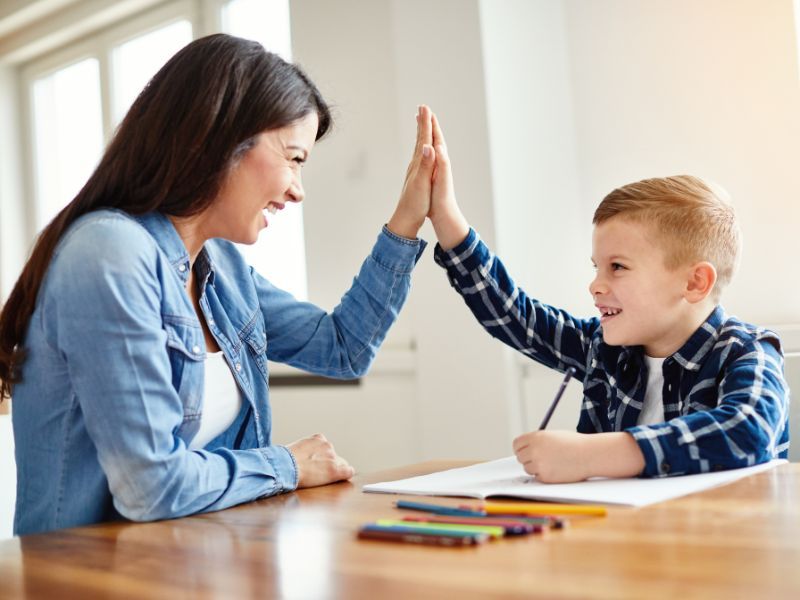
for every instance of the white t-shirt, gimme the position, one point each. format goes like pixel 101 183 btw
pixel 653 408
pixel 222 400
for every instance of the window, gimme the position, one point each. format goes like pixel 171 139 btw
pixel 136 61
pixel 67 134
pixel 78 95
pixel 265 21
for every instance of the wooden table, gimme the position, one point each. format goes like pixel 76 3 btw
pixel 737 541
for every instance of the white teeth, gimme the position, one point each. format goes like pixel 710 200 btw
pixel 611 311
pixel 272 209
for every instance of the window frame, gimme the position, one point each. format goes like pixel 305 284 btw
pixel 203 16
pixel 100 46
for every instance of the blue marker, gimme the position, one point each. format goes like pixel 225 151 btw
pixel 437 509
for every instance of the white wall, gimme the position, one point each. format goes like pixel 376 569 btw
pixel 12 253
pixel 563 101
pixel 376 79
pixel 587 96
pixel 543 226
pixel 708 88
pixel 13 228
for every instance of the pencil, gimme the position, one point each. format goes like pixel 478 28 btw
pixel 407 533
pixel 511 526
pixel 560 392
pixel 494 531
pixel 437 509
pixel 411 538
pixel 542 508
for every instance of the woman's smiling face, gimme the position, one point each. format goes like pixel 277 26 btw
pixel 260 184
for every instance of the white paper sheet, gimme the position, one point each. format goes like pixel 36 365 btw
pixel 506 477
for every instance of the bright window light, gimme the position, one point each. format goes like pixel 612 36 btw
pixel 265 21
pixel 68 134
pixel 136 61
pixel 279 254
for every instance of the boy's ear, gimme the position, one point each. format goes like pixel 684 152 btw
pixel 702 279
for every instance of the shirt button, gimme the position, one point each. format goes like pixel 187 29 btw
pixel 196 349
pixel 669 387
pixel 238 367
pixel 182 268
pixel 665 467
pixel 211 322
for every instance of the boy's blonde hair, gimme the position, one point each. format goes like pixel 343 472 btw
pixel 693 220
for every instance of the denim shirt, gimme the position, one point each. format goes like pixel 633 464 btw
pixel 112 386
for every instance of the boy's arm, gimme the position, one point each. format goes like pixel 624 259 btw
pixel 546 334
pixel 745 428
pixel 567 456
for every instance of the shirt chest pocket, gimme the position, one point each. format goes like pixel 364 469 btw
pixel 186 350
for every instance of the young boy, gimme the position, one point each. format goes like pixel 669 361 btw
pixel 672 385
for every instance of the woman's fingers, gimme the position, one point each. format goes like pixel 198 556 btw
pixel 437 137
pixel 424 128
pixel 423 147
pixel 415 198
pixel 343 470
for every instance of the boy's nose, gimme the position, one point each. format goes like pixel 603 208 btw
pixel 596 286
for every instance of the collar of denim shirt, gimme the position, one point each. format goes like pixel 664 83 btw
pixel 166 236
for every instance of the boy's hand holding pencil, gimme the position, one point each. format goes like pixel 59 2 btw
pixel 568 456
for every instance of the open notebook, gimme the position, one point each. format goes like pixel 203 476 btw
pixel 506 477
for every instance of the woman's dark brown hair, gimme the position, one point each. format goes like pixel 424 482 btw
pixel 198 115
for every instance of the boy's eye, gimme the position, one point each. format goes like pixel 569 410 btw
pixel 617 267
pixel 299 160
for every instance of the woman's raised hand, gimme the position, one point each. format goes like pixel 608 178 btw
pixel 317 462
pixel 449 224
pixel 415 199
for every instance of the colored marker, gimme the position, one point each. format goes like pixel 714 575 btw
pixel 545 520
pixel 437 509
pixel 534 508
pixel 407 529
pixel 554 522
pixel 511 526
pixel 491 531
pixel 415 538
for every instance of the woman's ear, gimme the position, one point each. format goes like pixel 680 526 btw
pixel 701 281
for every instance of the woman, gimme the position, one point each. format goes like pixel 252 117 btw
pixel 136 339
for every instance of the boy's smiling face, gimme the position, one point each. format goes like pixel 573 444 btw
pixel 641 302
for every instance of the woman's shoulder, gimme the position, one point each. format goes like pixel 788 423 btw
pixel 105 233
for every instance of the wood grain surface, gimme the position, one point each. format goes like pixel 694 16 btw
pixel 737 541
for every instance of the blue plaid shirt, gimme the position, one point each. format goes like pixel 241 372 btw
pixel 726 402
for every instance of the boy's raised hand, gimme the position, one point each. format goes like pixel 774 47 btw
pixel 449 224
pixel 415 198
pixel 567 456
